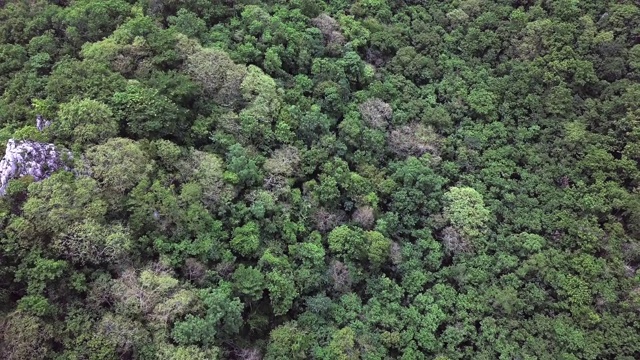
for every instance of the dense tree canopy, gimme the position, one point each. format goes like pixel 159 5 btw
pixel 313 179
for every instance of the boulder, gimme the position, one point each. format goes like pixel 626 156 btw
pixel 22 158
pixel 42 123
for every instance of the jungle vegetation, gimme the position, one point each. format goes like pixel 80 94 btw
pixel 308 179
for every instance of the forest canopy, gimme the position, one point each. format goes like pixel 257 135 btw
pixel 311 179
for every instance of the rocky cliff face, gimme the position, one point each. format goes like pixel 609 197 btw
pixel 26 157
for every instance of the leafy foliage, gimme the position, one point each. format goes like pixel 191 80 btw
pixel 323 179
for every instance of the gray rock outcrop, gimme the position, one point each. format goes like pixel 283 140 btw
pixel 42 123
pixel 26 157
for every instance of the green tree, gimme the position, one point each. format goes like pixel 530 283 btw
pixel 282 291
pixel 58 202
pixel 38 272
pixel 347 242
pixel 145 112
pixel 342 345
pixel 88 21
pixel 85 121
pixel 249 282
pixel 288 341
pixel 118 165
pixel 418 189
pixel 91 242
pixel 13 56
pixel 191 352
pixel 71 79
pixel 140 292
pixel 243 165
pixel 188 23
pixel 27 336
pixel 246 239
pixel 464 208
pixel 222 318
pixel 378 248
pixel 214 70
pixel 207 170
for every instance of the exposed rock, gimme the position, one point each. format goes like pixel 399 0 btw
pixel 42 123
pixel 27 157
pixel 603 17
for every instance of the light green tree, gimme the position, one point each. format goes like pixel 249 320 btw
pixel 288 341
pixel 464 208
pixel 246 239
pixel 119 164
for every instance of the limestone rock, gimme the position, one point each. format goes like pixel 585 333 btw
pixel 42 123
pixel 23 158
